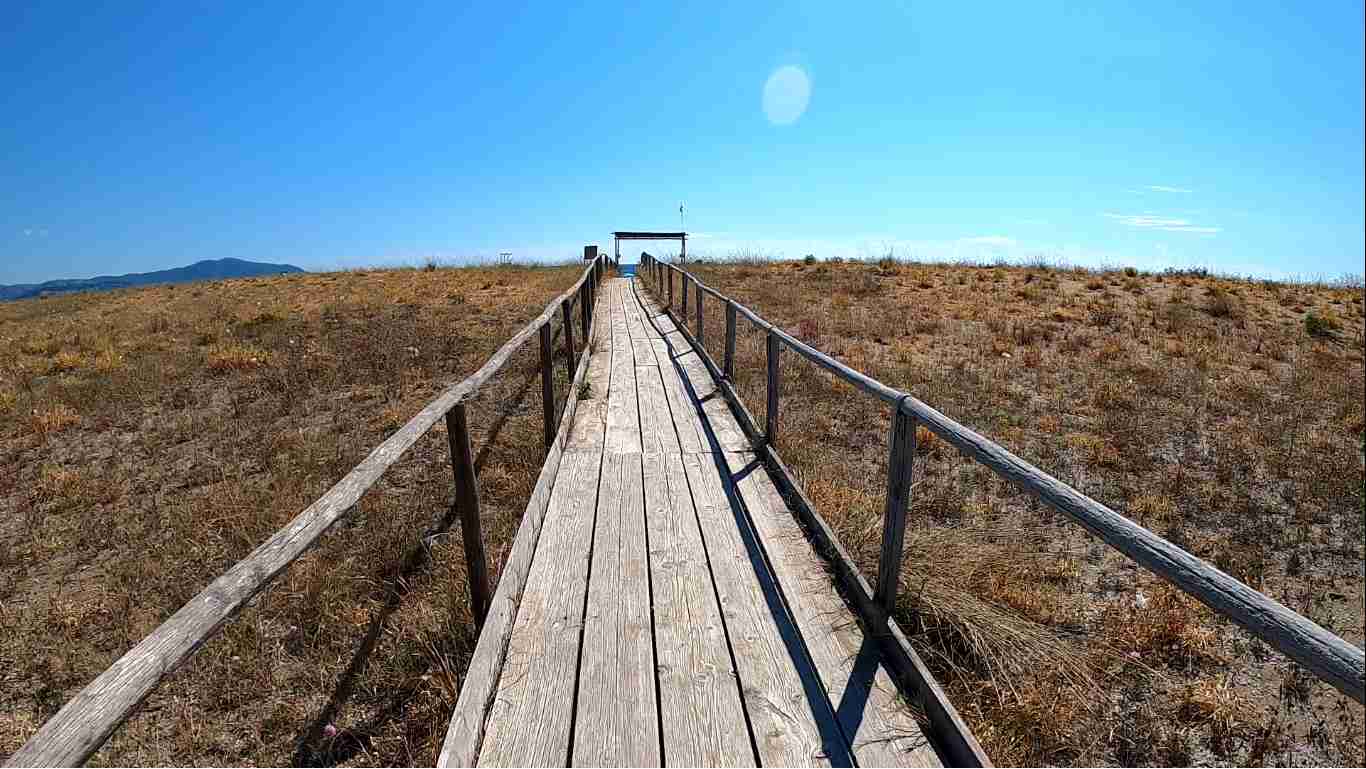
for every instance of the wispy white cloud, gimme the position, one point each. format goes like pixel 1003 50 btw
pixel 1162 223
pixel 1165 188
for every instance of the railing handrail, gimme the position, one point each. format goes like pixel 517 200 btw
pixel 1323 652
pixel 87 720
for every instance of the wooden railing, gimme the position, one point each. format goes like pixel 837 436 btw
pixel 1328 656
pixel 84 723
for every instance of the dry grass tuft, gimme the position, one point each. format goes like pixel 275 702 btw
pixel 235 357
pixel 54 419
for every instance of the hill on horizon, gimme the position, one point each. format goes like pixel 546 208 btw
pixel 208 269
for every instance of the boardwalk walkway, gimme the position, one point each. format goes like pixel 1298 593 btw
pixel 675 613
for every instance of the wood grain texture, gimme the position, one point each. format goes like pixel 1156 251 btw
pixel 872 715
pixel 467 505
pixel 692 436
pixel 725 431
pixel 617 723
pixel 623 409
pixel 657 433
pixel 590 419
pixel 530 721
pixel 703 390
pixel 900 460
pixel 702 722
pixel 547 387
pixel 465 733
pixel 791 718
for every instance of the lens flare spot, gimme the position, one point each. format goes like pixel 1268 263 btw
pixel 786 95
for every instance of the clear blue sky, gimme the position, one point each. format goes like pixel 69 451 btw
pixel 137 137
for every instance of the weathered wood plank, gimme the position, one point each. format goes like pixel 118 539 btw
pixel 623 408
pixel 702 722
pixel 530 720
pixel 692 437
pixel 467 505
pixel 465 733
pixel 871 712
pixel 617 290
pixel 590 419
pixel 900 462
pixel 617 723
pixel 725 430
pixel 635 319
pixel 657 432
pixel 548 426
pixel 792 721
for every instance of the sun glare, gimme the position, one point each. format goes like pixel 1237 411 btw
pixel 786 95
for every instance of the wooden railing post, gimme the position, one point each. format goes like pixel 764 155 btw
pixel 729 368
pixel 586 311
pixel 547 387
pixel 901 457
pixel 771 420
pixel 569 335
pixel 669 276
pixel 700 292
pixel 467 506
pixel 683 310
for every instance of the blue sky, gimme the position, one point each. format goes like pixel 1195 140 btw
pixel 326 134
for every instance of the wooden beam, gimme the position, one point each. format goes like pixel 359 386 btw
pixel 901 455
pixel 467 505
pixel 547 388
pixel 571 359
pixel 771 420
pixel 700 327
pixel 729 371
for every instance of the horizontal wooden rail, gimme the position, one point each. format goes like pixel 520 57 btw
pixel 84 723
pixel 1330 657
pixel 465 732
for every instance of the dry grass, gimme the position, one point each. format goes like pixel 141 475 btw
pixel 1213 411
pixel 149 439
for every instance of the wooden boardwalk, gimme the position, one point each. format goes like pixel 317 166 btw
pixel 675 613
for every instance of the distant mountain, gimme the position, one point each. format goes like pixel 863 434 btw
pixel 211 269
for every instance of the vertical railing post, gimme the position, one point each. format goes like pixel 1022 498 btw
pixel 771 420
pixel 547 387
pixel 683 309
pixel 669 275
pixel 728 371
pixel 901 457
pixel 569 335
pixel 586 309
pixel 467 506
pixel 700 292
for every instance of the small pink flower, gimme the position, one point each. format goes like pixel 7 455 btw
pixel 329 731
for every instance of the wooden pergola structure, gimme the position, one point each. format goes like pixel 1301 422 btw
pixel 617 237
